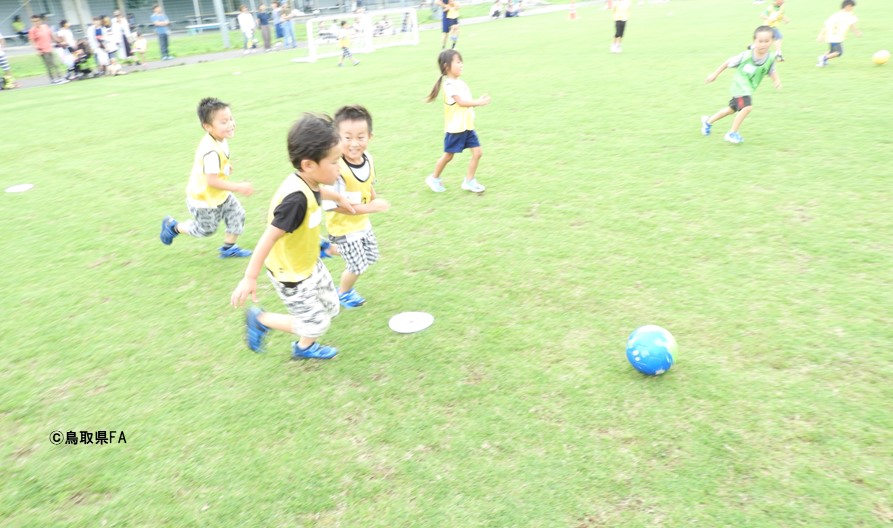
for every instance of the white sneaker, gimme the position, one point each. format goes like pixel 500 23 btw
pixel 473 186
pixel 436 184
pixel 822 62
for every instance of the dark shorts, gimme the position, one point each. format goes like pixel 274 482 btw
pixel 776 34
pixel 836 47
pixel 619 27
pixel 448 23
pixel 740 102
pixel 458 142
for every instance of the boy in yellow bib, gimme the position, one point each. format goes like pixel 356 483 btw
pixel 351 231
pixel 209 193
pixel 289 247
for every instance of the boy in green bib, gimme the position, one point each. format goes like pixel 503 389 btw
pixel 750 68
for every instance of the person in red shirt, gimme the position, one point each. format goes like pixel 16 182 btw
pixel 41 37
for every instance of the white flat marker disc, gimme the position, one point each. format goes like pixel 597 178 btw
pixel 22 187
pixel 410 322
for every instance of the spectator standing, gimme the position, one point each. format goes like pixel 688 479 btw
pixel 264 18
pixel 41 37
pixel 162 29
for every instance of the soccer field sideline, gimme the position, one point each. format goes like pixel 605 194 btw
pixel 34 81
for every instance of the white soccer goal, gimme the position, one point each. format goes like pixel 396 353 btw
pixel 368 32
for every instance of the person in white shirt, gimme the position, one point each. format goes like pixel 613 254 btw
pixel 835 29
pixel 121 32
pixel 247 24
pixel 65 36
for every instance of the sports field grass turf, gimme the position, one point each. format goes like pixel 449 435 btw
pixel 771 262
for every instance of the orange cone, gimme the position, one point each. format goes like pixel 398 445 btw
pixel 573 10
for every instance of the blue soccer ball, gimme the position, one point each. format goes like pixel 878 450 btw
pixel 651 350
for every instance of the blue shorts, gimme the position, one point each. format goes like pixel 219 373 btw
pixel 456 143
pixel 776 34
pixel 448 23
pixel 836 47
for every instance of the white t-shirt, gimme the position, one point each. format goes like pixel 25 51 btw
pixel 121 30
pixel 67 37
pixel 837 26
pixel 246 22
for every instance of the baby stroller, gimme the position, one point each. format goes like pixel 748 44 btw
pixel 79 68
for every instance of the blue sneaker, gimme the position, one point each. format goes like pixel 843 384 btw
pixel 323 246
pixel 705 126
pixel 168 231
pixel 351 299
pixel 255 331
pixel 314 351
pixel 234 251
pixel 734 137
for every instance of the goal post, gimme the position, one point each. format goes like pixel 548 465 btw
pixel 367 31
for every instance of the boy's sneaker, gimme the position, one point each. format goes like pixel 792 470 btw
pixel 705 126
pixel 324 245
pixel 436 184
pixel 234 251
pixel 779 57
pixel 255 330
pixel 822 62
pixel 314 351
pixel 351 299
pixel 734 137
pixel 473 186
pixel 168 230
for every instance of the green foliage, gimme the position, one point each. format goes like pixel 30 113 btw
pixel 769 261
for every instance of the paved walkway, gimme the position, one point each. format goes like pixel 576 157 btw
pixel 42 80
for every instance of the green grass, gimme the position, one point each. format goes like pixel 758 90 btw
pixel 771 263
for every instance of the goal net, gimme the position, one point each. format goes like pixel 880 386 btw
pixel 366 32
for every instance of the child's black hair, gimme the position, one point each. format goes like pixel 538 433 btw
pixel 209 106
pixel 311 138
pixel 848 3
pixel 353 113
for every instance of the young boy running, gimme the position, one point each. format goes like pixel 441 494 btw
pixel 350 231
pixel 289 248
pixel 772 17
pixel 750 68
pixel 209 193
pixel 835 29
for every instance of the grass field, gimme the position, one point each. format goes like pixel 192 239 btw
pixel 771 262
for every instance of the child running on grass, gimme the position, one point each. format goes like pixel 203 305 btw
pixel 289 249
pixel 772 17
pixel 835 29
pixel 344 43
pixel 750 68
pixel 209 193
pixel 458 107
pixel 621 17
pixel 350 231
